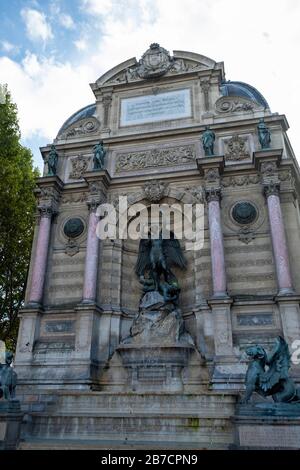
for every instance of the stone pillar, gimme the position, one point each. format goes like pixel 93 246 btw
pixel 267 162
pixel 98 182
pixel 216 243
pixel 48 193
pixel 220 303
pixel 212 168
pixel 280 249
pixel 41 254
pixel 92 256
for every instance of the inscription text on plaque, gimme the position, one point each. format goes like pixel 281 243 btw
pixel 153 108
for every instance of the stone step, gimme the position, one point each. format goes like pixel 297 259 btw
pixel 97 402
pixel 130 428
pixel 69 444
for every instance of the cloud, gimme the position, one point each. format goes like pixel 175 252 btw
pixel 7 46
pixel 37 27
pixel 81 44
pixel 66 21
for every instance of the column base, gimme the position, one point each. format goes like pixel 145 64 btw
pixel 87 302
pixel 286 291
pixel 219 296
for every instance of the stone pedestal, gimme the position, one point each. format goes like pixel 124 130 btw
pixel 158 347
pixel 10 424
pixel 267 426
pixel 155 368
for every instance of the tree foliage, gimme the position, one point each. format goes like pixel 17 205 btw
pixel 17 208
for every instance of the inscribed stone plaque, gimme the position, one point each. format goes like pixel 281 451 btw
pixel 153 108
pixel 270 436
pixel 59 326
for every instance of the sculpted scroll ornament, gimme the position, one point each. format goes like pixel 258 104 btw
pixel 155 157
pixel 79 166
pixel 228 104
pixel 81 127
pixel 236 149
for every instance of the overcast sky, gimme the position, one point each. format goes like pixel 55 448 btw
pixel 50 50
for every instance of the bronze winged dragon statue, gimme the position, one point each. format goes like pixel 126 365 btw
pixel 273 381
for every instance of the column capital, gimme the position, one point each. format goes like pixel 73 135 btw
pixel 213 194
pixel 271 189
pixel 45 210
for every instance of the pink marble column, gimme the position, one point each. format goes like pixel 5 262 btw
pixel 91 260
pixel 41 254
pixel 280 249
pixel 216 244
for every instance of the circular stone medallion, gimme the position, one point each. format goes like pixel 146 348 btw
pixel 73 227
pixel 244 213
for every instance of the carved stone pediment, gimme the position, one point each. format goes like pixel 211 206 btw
pixel 82 127
pixel 235 104
pixel 155 62
pixel 177 66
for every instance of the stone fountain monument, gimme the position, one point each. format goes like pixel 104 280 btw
pixel 141 343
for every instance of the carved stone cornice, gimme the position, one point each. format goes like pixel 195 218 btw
pixel 271 189
pixel 215 163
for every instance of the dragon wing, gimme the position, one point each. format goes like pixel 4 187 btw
pixel 279 364
pixel 143 261
pixel 173 252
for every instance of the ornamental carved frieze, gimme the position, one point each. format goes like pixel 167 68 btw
pixel 79 165
pixel 155 190
pixel 241 180
pixel 236 149
pixel 154 158
pixel 228 104
pixel 81 128
pixel 71 198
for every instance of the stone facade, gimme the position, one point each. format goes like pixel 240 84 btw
pixel 242 287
